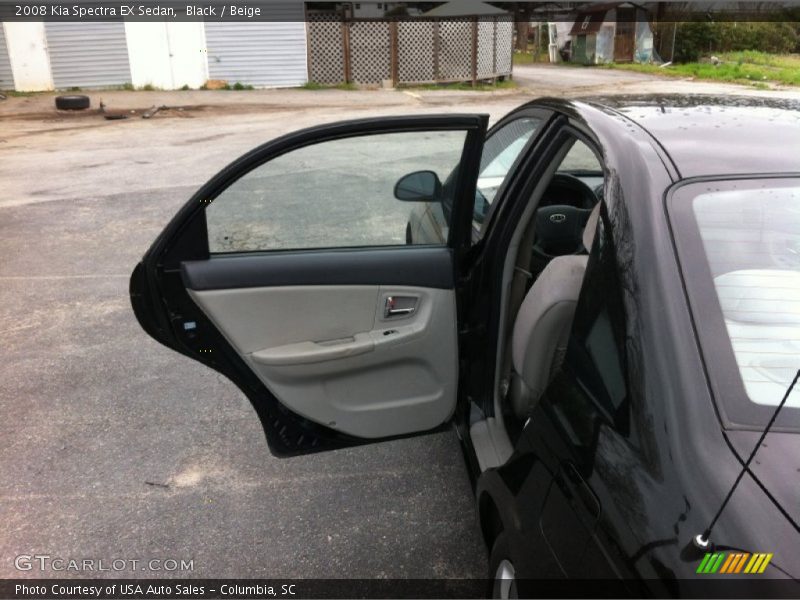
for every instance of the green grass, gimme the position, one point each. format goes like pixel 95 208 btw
pixel 530 57
pixel 235 87
pixel 788 61
pixel 313 86
pixel 749 67
pixel 523 58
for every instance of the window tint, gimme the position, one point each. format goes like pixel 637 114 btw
pixel 599 329
pixel 601 346
pixel 338 193
pixel 592 387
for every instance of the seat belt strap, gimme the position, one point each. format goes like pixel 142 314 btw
pixel 519 286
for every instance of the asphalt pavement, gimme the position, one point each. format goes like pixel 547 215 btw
pixel 114 447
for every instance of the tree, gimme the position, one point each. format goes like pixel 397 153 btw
pixel 522 12
pixel 522 17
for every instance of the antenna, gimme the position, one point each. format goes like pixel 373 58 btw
pixel 702 541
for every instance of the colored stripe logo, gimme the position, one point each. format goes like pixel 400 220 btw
pixel 732 563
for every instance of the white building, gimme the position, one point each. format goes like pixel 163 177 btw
pixel 38 56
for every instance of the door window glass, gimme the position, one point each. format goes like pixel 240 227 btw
pixel 599 332
pixel 341 193
pixel 500 154
pixel 595 382
pixel 580 158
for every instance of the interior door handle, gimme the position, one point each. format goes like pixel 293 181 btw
pixel 398 311
pixel 399 305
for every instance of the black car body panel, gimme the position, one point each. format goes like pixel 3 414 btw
pixel 594 494
pixel 704 135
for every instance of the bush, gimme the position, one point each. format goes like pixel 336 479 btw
pixel 694 40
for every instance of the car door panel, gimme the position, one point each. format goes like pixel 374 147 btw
pixel 333 346
pixel 569 518
pixel 329 354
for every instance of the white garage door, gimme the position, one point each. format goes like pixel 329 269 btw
pixel 6 77
pixel 88 54
pixel 262 54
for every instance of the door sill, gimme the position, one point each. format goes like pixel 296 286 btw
pixel 491 443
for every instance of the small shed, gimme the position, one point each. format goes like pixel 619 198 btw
pixel 90 54
pixel 612 32
pixel 465 8
pixel 6 76
pixel 268 53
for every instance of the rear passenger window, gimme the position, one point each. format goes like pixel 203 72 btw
pixel 341 193
pixel 601 346
pixel 597 348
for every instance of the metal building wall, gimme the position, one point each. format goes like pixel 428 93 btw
pixel 262 53
pixel 6 76
pixel 88 54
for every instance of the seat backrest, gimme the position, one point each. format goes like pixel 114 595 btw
pixel 541 330
pixel 542 326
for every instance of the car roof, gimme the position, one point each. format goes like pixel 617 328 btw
pixel 716 135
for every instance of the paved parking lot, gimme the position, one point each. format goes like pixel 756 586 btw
pixel 114 447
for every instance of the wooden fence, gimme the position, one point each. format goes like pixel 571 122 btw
pixel 410 51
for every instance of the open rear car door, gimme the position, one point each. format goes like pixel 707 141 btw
pixel 290 273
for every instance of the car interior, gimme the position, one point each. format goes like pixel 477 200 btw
pixel 542 278
pixel 387 363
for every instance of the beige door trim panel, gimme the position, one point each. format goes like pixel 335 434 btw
pixel 331 354
pixel 253 319
pixel 305 353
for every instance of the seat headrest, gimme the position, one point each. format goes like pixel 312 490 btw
pixel 591 227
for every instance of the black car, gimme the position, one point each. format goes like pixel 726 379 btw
pixel 606 307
